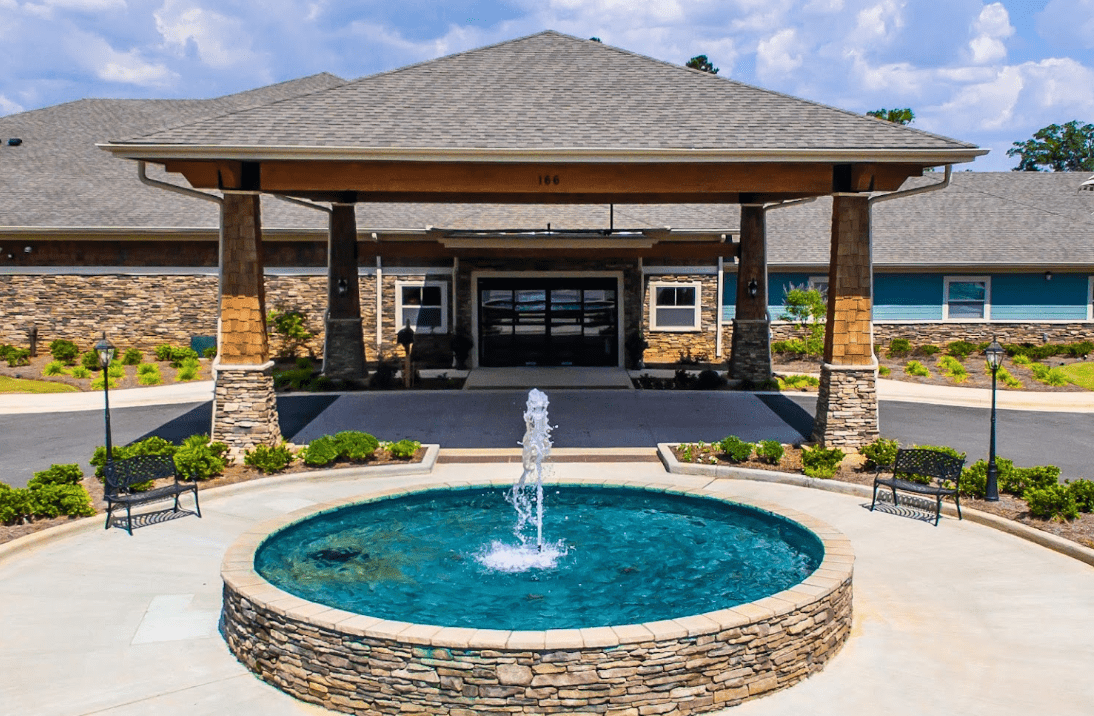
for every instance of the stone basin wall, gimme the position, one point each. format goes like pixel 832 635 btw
pixel 366 665
pixel 641 674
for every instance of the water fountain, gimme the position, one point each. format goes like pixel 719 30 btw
pixel 650 597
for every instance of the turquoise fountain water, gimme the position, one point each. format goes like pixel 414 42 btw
pixel 619 555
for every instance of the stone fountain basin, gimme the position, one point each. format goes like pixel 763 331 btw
pixel 694 663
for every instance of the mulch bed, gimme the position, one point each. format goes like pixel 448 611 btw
pixel 232 475
pixel 853 470
pixel 34 372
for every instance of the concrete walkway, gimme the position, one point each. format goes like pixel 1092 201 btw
pixel 956 619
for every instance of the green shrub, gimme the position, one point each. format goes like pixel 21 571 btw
pixel 132 357
pixel 17 357
pixel 321 451
pixel 188 370
pixel 150 378
pixel 64 351
pixel 148 368
pixel 54 367
pixel 54 500
pixel 199 459
pixel 293 379
pixel 710 380
pixel 116 370
pixel 953 369
pixel 148 446
pixel 1022 360
pixel 97 383
pixel 797 382
pixel 1055 502
pixel 269 459
pixel 1079 350
pixel 81 372
pixel 899 347
pixel 960 349
pixel 1020 480
pixel 164 351
pixel 90 360
pixel 821 462
pixel 735 449
pixel 14 504
pixel 914 367
pixel 355 445
pixel 289 325
pixel 928 350
pixel 795 346
pixel 58 475
pixel 1002 374
pixel 404 449
pixel 770 451
pixel 1083 492
pixel 880 452
pixel 181 357
pixel 974 479
pixel 210 352
pixel 884 371
pixel 1048 376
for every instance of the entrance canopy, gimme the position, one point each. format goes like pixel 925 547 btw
pixel 545 119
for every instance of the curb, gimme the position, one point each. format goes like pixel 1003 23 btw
pixel 726 472
pixel 87 524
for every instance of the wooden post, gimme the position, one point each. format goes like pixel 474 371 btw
pixel 344 343
pixel 750 352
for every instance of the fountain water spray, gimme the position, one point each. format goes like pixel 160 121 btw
pixel 526 497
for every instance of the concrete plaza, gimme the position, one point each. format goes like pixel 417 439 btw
pixel 954 619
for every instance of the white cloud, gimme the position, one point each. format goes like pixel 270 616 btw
pixel 778 54
pixel 9 107
pixel 85 5
pixel 220 41
pixel 879 22
pixel 111 65
pixel 1068 23
pixel 992 27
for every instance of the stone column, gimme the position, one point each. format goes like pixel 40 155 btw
pixel 244 404
pixel 847 414
pixel 344 348
pixel 750 352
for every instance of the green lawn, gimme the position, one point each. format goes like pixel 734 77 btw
pixel 19 385
pixel 1081 374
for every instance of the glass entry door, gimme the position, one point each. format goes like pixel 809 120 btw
pixel 548 321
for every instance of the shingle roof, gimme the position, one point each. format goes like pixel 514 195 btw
pixel 549 91
pixel 981 219
pixel 58 178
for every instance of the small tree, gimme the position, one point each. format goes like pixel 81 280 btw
pixel 896 116
pixel 807 308
pixel 701 63
pixel 289 325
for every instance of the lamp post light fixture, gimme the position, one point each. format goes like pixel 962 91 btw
pixel 106 350
pixel 994 353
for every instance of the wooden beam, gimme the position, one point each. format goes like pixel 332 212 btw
pixel 543 179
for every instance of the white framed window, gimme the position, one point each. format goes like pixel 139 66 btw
pixel 966 298
pixel 819 283
pixel 675 306
pixel 424 304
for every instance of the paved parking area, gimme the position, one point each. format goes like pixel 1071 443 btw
pixel 955 619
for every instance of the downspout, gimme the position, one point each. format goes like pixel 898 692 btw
pixel 185 191
pixel 305 204
pixel 918 190
pixel 379 306
pixel 718 315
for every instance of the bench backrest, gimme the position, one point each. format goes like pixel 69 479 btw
pixel 928 463
pixel 122 474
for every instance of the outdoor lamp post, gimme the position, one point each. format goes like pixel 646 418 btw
pixel 105 349
pixel 994 353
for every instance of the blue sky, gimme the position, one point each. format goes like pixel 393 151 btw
pixel 989 73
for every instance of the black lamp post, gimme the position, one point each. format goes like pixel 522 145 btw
pixel 105 349
pixel 994 353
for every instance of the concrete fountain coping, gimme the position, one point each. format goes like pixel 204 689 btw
pixel 806 623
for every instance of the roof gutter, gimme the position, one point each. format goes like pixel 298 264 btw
pixel 185 191
pixel 163 152
pixel 918 190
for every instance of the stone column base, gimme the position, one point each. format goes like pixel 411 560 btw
pixel 344 349
pixel 846 406
pixel 244 407
pixel 750 353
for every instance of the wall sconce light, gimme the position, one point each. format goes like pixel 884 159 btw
pixel 26 249
pixel 1048 275
pixel 343 287
pixel 753 288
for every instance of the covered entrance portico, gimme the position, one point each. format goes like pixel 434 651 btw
pixel 554 133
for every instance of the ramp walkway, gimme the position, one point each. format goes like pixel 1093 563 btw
pixel 545 378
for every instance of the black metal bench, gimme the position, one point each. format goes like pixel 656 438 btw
pixel 121 475
pixel 943 470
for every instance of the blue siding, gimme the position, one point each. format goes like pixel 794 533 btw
pixel 729 296
pixel 908 297
pixel 1029 297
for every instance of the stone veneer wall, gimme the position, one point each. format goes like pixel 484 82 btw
pixel 245 408
pixel 940 334
pixel 700 344
pixel 694 664
pixel 846 406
